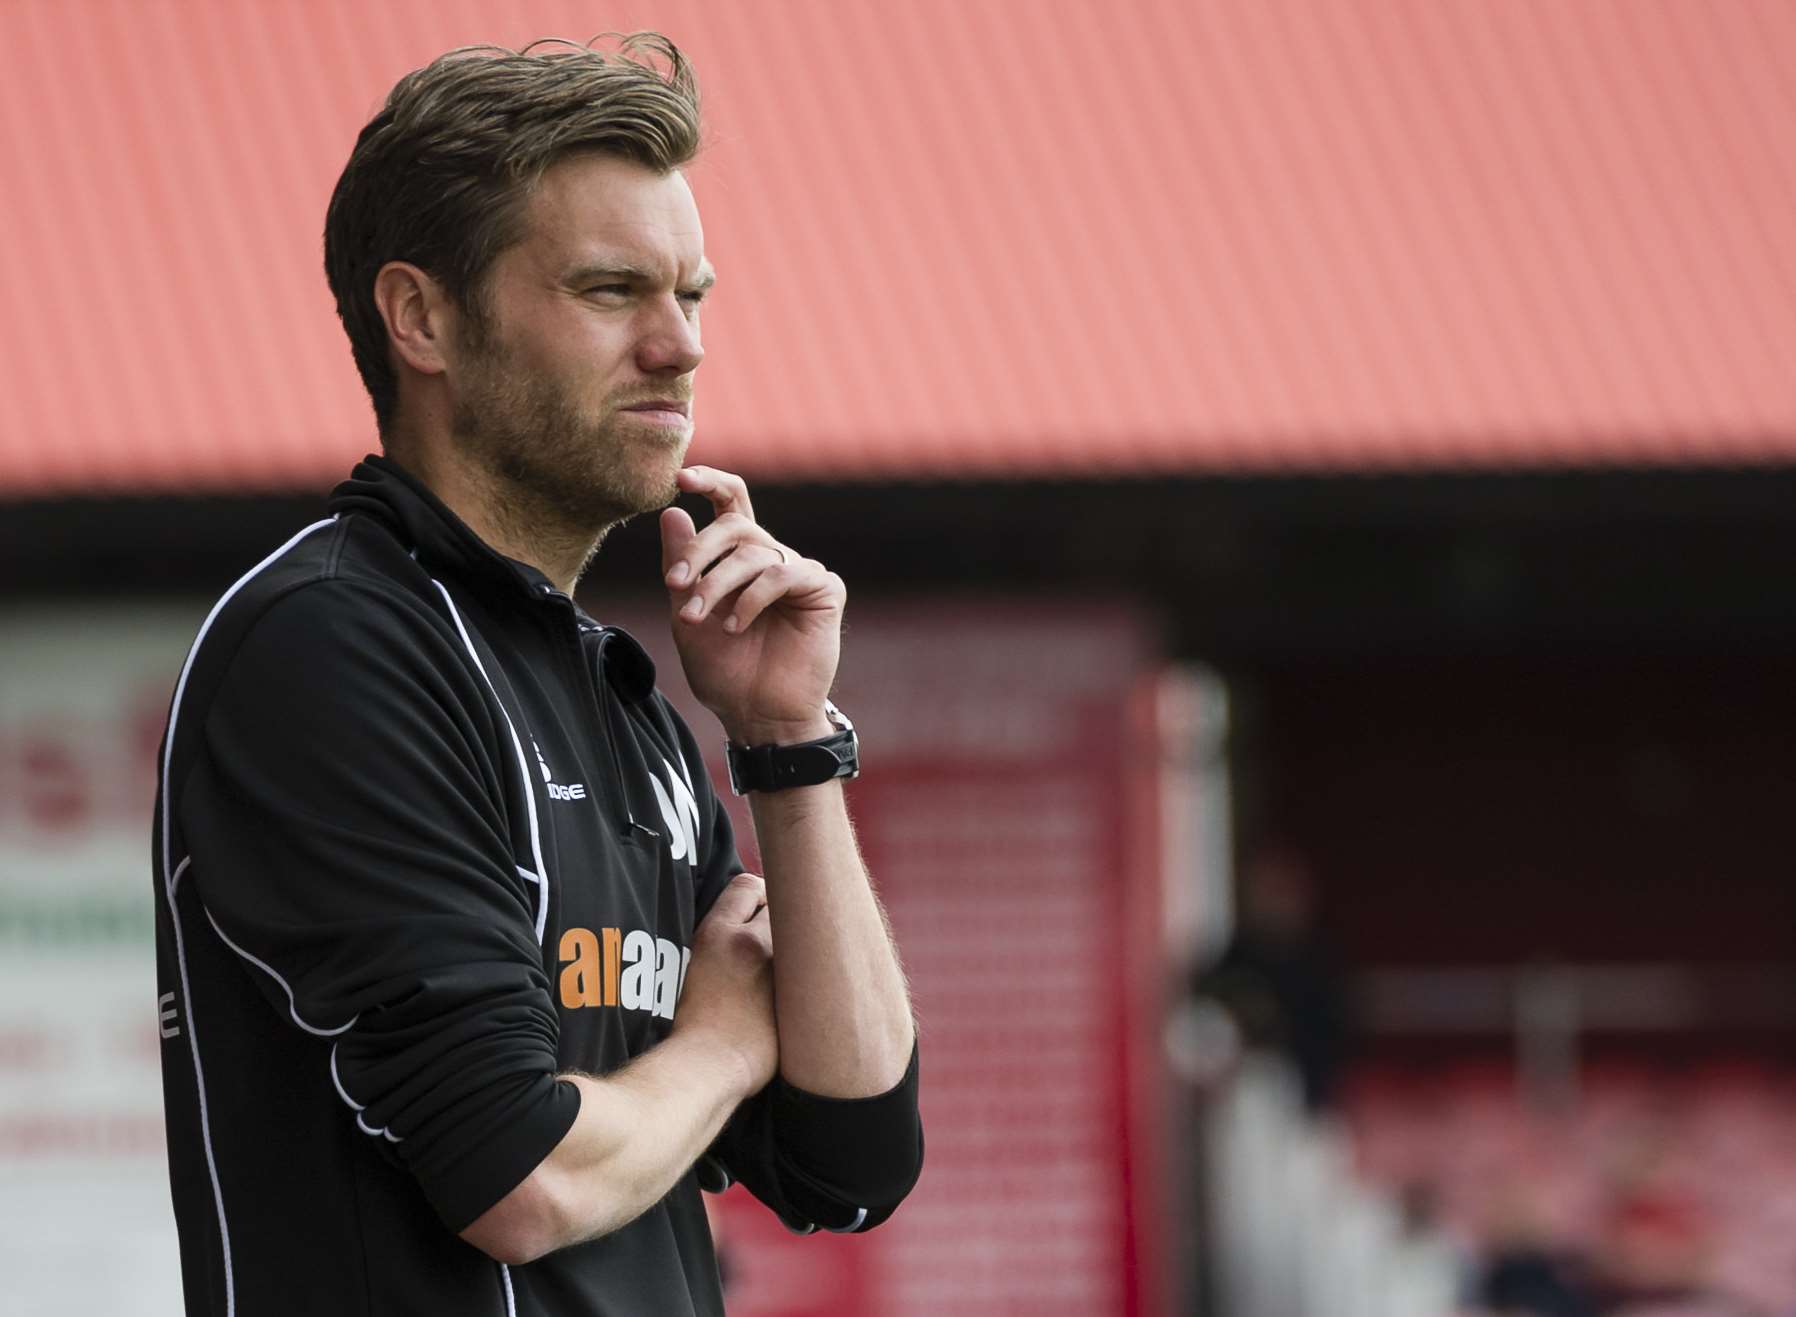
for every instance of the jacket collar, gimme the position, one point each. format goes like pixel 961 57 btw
pixel 444 544
pixel 379 487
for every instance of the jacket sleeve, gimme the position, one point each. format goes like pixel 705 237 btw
pixel 840 1164
pixel 349 841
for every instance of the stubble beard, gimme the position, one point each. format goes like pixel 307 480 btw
pixel 554 469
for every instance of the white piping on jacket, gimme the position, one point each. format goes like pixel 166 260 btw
pixel 266 968
pixel 860 1215
pixel 337 1083
pixel 293 1010
pixel 541 876
pixel 172 876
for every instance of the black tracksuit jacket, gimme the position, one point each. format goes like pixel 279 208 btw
pixel 426 836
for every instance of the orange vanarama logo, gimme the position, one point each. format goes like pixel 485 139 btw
pixel 634 971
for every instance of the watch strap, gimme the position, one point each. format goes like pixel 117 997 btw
pixel 808 763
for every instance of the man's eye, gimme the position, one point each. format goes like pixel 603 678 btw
pixel 692 299
pixel 611 290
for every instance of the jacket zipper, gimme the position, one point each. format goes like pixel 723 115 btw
pixel 590 670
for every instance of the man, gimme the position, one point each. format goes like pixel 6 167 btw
pixel 464 991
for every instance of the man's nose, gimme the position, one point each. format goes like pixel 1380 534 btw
pixel 670 343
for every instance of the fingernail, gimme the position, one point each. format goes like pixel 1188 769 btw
pixel 678 575
pixel 730 623
pixel 694 606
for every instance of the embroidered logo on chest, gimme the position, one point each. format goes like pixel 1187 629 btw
pixel 572 791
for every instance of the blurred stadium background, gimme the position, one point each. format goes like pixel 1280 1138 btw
pixel 1315 478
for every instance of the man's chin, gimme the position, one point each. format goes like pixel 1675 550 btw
pixel 665 483
pixel 652 492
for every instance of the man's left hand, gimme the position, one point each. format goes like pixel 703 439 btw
pixel 758 627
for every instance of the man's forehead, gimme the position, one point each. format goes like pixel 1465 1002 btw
pixel 614 214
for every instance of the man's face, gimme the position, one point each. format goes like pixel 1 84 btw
pixel 592 320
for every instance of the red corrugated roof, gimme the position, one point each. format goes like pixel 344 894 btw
pixel 971 237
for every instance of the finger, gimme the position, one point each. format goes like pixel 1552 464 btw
pixel 709 546
pixel 746 564
pixel 725 489
pixel 738 902
pixel 677 533
pixel 805 582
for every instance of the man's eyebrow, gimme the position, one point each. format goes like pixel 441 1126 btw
pixel 625 272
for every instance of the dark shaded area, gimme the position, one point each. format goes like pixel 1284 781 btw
pixel 1630 807
pixel 1246 571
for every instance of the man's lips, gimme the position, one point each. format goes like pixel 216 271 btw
pixel 661 405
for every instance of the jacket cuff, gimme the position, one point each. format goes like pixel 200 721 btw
pixel 495 1165
pixel 864 1151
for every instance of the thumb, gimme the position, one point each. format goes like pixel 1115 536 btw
pixel 677 531
pixel 737 903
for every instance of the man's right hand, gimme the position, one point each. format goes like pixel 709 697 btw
pixel 728 993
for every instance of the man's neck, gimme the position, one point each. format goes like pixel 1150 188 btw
pixel 507 520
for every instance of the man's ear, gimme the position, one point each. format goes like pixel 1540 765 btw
pixel 419 316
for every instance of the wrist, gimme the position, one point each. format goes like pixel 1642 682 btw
pixel 772 755
pixel 737 1070
pixel 776 731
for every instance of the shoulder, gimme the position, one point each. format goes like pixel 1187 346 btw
pixel 327 611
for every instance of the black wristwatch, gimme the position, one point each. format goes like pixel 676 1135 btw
pixel 776 767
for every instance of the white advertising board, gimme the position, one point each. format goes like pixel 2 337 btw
pixel 83 695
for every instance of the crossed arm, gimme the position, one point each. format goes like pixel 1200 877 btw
pixel 841 1029
pixel 758 632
